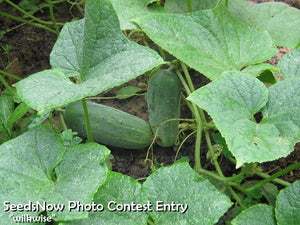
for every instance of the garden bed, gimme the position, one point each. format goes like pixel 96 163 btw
pixel 27 52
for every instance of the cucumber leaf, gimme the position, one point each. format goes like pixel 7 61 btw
pixel 257 214
pixel 93 49
pixel 286 210
pixel 180 184
pixel 120 189
pixel 202 202
pixel 279 19
pixel 210 41
pixel 289 64
pixel 64 91
pixel 36 166
pixel 129 9
pixel 288 205
pixel 234 99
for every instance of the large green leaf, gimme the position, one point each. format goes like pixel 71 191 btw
pixel 118 190
pixel 289 64
pixel 286 211
pixel 36 167
pixel 288 205
pixel 179 184
pixel 257 214
pixel 129 9
pixel 280 20
pixel 201 202
pixel 95 50
pixel 63 91
pixel 234 99
pixel 210 41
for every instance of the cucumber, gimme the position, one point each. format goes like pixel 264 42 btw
pixel 109 126
pixel 163 99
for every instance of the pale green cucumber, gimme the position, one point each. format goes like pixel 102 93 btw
pixel 163 99
pixel 109 126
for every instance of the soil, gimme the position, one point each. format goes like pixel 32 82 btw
pixel 29 53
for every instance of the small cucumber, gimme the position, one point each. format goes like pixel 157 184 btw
pixel 109 126
pixel 163 99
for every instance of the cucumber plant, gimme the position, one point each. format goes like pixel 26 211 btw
pixel 227 43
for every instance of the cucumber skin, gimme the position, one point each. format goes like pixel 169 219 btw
pixel 109 126
pixel 163 99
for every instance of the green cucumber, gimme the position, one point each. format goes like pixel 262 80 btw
pixel 163 99
pixel 109 126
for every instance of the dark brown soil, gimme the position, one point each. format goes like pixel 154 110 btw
pixel 30 49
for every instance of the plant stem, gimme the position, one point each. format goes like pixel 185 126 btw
pixel 189 5
pixel 210 125
pixel 30 15
pixel 10 75
pixel 263 175
pixel 59 1
pixel 198 122
pixel 197 111
pixel 210 148
pixel 198 148
pixel 219 171
pixel 23 11
pixel 28 22
pixel 183 82
pixel 226 3
pixel 276 180
pixel 131 33
pixel 224 179
pixel 162 53
pixel 236 197
pixel 51 120
pixel 62 120
pixel 187 76
pixel 80 10
pixel 150 222
pixel 87 121
pixel 211 174
pixel 275 175
pixel 238 187
pixel 52 17
pixel 7 86
pixel 220 178
pixel 183 141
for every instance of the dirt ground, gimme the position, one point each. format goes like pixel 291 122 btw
pixel 29 53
